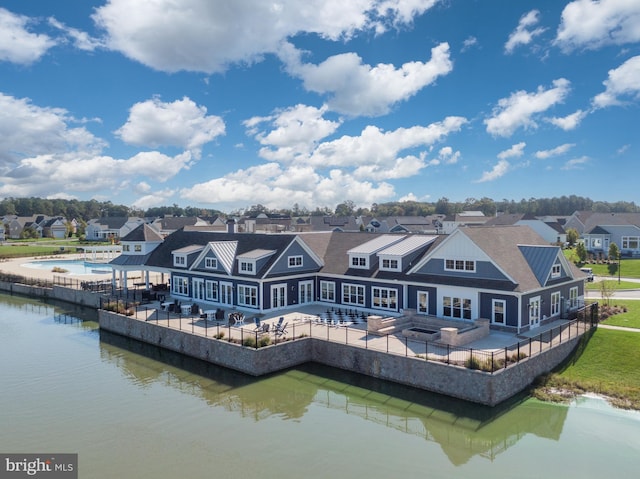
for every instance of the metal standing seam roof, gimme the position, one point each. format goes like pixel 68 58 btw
pixel 225 251
pixel 194 248
pixel 407 245
pixel 256 254
pixel 376 244
pixel 540 259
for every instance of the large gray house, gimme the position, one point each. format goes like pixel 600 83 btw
pixel 507 274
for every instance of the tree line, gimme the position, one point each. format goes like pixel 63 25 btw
pixel 86 210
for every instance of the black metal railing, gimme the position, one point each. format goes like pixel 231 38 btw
pixel 306 326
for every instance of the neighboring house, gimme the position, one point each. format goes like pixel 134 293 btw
pixel 55 227
pixel 264 223
pixel 599 230
pixel 114 228
pixel 334 223
pixel 18 224
pixel 466 218
pixel 431 224
pixel 626 237
pixel 169 224
pixel 509 275
pixel 550 230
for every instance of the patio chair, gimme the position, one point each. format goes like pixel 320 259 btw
pixel 281 330
pixel 265 328
pixel 280 321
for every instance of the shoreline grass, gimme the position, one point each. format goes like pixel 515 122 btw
pixel 604 363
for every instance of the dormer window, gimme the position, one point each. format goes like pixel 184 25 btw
pixel 360 262
pixel 460 265
pixel 295 261
pixel 180 260
pixel 247 267
pixel 137 248
pixel 211 263
pixel 125 248
pixel 390 264
pixel 555 271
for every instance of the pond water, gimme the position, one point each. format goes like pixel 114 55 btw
pixel 134 411
pixel 73 267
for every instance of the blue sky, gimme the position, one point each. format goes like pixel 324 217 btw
pixel 226 104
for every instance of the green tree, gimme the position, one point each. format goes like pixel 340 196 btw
pixel 581 251
pixel 572 236
pixel 614 252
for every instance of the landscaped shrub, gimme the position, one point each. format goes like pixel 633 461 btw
pixel 472 363
pixel 249 342
pixel 264 341
pixel 219 335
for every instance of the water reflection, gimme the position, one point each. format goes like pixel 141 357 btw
pixel 463 430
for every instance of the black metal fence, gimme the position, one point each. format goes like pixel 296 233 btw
pixel 489 359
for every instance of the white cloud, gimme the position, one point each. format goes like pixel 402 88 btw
pixel 17 44
pixel 182 123
pixel 594 24
pixel 400 168
pixel 296 131
pixel 515 151
pixel 80 39
pixel 576 163
pixel 358 89
pixel 520 109
pixel 523 35
pixel 558 150
pixel 468 43
pixel 27 129
pixel 622 81
pixel 157 198
pixel 498 170
pixel 374 146
pixel 569 122
pixel 447 156
pixel 210 35
pixel 276 187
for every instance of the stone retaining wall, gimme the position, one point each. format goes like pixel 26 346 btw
pixel 471 385
pixel 82 298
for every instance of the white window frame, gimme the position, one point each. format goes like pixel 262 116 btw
pixel 457 307
pixel 246 266
pixel 630 242
pixel 245 292
pixel 211 262
pixel 295 261
pixel 390 264
pixel 211 289
pixel 555 303
pixel 351 291
pixel 125 247
pixel 305 292
pixel 423 298
pixel 555 271
pixel 137 248
pixel 197 289
pixel 359 261
pixel 497 304
pixel 464 265
pixel 180 285
pixel 573 297
pixel 179 260
pixel 328 291
pixel 279 292
pixel 384 298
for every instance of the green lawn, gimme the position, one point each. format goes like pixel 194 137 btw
pixel 613 285
pixel 605 364
pixel 630 319
pixel 17 251
pixel 629 268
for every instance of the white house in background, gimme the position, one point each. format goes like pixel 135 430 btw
pixel 114 227
pixel 551 231
pixel 466 218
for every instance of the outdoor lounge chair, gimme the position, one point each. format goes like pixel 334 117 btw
pixel 281 330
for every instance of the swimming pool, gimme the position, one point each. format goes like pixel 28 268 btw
pixel 73 267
